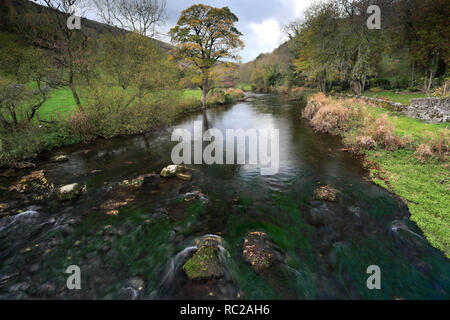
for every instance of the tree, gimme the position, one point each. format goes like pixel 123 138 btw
pixel 25 82
pixel 135 62
pixel 140 16
pixel 49 30
pixel 203 35
pixel 335 43
pixel 430 46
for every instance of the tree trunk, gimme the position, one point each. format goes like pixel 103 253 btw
pixel 71 84
pixel 356 87
pixel 413 66
pixel 204 92
pixel 75 96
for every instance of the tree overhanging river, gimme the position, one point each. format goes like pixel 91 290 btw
pixel 131 232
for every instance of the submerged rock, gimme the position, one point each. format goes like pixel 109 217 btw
pixel 204 264
pixel 260 252
pixel 60 158
pixel 172 170
pixel 25 182
pixel 326 193
pixel 69 192
pixel 184 176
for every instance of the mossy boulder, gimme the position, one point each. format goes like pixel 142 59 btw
pixel 204 264
pixel 69 192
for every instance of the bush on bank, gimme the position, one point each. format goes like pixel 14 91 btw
pixel 106 113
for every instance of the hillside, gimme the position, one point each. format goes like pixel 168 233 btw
pixel 12 12
pixel 281 59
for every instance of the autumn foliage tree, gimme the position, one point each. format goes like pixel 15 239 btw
pixel 203 35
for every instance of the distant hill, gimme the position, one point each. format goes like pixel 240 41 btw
pixel 12 10
pixel 281 56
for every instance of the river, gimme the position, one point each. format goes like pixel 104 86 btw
pixel 131 240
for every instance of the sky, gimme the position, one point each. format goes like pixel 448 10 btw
pixel 259 20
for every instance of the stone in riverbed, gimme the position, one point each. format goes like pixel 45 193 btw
pixel 172 170
pixel 60 158
pixel 184 176
pixel 325 193
pixel 260 252
pixel 204 264
pixel 69 192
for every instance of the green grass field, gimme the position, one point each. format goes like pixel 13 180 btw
pixel 61 103
pixel 403 98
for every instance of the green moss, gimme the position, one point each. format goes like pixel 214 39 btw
pixel 203 265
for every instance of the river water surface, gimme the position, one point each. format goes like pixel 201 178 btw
pixel 131 240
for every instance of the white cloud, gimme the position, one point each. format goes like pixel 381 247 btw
pixel 265 36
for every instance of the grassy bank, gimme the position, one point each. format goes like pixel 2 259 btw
pixel 404 155
pixel 106 114
pixel 400 97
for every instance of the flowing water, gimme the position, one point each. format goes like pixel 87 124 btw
pixel 138 251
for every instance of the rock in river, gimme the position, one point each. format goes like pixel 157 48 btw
pixel 204 264
pixel 184 176
pixel 326 193
pixel 60 158
pixel 172 170
pixel 260 252
pixel 69 192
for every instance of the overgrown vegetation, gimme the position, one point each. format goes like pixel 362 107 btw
pixel 331 49
pixel 405 156
pixel 60 86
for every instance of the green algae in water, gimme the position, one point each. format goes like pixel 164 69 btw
pixel 140 251
pixel 292 236
pixel 400 279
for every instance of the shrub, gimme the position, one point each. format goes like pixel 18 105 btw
pixel 423 152
pixel 112 111
pixel 325 114
pixel 365 142
pixel 331 118
pixel 336 116
pixel 296 93
pixel 282 89
pixel 235 93
pixel 382 131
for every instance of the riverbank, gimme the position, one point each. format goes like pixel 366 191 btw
pixel 406 156
pixel 18 147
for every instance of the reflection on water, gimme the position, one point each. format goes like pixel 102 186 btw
pixel 139 253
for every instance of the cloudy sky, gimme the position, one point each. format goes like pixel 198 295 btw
pixel 259 20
